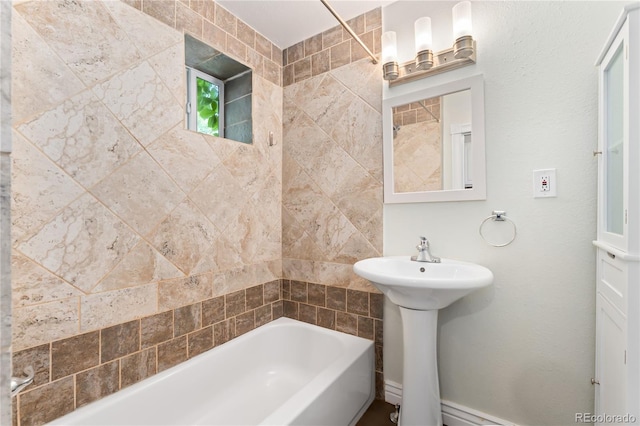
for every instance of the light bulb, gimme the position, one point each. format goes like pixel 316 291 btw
pixel 462 20
pixel 424 40
pixel 389 47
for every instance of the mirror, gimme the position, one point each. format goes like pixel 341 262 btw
pixel 434 144
pixel 218 93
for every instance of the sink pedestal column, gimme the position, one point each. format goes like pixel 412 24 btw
pixel 420 387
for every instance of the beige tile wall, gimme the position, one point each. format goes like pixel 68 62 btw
pixel 332 48
pixel 332 160
pixel 332 175
pixel 118 212
pixel 213 24
pixel 121 218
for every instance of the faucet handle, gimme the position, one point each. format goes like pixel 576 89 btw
pixel 423 245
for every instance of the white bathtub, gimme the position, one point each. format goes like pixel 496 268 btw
pixel 283 373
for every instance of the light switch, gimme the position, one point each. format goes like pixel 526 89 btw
pixel 544 183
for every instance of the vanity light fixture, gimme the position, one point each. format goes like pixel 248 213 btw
pixel 427 62
pixel 389 55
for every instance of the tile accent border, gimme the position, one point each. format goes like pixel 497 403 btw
pixel 75 371
pixel 332 48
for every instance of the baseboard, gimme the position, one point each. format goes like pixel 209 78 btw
pixel 458 415
pixel 452 414
pixel 392 392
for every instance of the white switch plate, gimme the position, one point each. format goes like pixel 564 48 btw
pixel 544 183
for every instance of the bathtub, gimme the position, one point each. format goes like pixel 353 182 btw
pixel 283 373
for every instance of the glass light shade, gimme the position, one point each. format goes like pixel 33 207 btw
pixel 462 20
pixel 424 40
pixel 389 47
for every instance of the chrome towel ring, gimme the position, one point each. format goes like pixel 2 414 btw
pixel 498 216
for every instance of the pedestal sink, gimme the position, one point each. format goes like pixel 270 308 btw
pixel 420 289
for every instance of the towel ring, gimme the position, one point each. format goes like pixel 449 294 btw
pixel 498 216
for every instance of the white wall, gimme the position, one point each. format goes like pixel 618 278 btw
pixel 523 349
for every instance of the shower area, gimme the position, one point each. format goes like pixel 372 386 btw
pixel 135 244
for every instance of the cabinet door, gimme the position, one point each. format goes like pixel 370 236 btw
pixel 611 369
pixel 613 144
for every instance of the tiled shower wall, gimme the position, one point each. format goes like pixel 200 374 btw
pixel 119 215
pixel 332 174
pixel 118 212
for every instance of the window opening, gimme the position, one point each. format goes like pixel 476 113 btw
pixel 205 103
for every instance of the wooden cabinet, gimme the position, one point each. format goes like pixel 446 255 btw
pixel 617 376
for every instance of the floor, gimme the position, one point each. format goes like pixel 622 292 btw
pixel 377 414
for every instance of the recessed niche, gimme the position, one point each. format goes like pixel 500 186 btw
pixel 218 91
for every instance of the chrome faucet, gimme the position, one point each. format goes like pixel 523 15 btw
pixel 17 384
pixel 424 253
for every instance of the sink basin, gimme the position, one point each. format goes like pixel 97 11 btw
pixel 422 285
